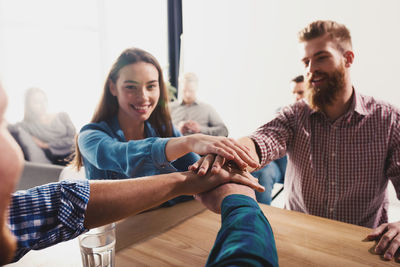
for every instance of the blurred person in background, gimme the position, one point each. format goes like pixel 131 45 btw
pixel 193 116
pixel 53 133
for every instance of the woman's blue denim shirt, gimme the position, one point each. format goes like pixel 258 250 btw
pixel 107 155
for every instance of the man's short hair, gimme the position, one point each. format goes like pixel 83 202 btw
pixel 190 77
pixel 319 28
pixel 298 79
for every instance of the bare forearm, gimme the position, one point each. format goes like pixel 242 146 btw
pixel 177 147
pixel 114 200
pixel 246 141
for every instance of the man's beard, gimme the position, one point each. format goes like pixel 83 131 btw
pixel 321 96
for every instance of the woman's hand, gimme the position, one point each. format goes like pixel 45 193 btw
pixel 212 163
pixel 227 148
pixel 195 183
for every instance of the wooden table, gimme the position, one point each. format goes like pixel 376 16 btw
pixel 301 240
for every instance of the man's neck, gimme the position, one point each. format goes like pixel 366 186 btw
pixel 188 103
pixel 341 104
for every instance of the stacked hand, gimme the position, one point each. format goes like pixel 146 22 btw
pixel 213 198
pixel 217 166
pixel 226 149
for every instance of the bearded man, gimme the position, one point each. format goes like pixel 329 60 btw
pixel 343 147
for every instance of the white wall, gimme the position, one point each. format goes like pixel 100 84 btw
pixel 67 48
pixel 245 51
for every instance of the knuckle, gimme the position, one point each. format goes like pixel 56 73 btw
pixel 396 242
pixel 385 238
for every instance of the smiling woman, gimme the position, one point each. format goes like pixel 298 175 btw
pixel 129 133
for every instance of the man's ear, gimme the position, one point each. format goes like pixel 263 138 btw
pixel 112 87
pixel 349 58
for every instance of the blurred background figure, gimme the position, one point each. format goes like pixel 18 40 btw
pixel 53 133
pixel 298 87
pixel 192 116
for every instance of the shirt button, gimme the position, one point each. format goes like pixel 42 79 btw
pixel 333 183
pixel 334 154
pixel 331 210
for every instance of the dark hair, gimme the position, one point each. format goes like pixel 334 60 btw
pixel 298 79
pixel 107 108
pixel 319 28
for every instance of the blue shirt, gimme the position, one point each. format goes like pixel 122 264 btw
pixel 245 237
pixel 49 214
pixel 107 155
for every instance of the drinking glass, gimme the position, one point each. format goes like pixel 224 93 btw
pixel 98 247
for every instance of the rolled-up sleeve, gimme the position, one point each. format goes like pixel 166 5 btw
pixel 49 214
pixel 274 137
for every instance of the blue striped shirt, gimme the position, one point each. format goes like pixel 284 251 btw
pixel 49 214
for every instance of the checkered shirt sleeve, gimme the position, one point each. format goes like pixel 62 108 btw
pixel 49 214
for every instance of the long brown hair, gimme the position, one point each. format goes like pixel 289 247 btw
pixel 107 108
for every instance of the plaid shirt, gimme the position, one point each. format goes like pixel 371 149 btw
pixel 337 170
pixel 49 214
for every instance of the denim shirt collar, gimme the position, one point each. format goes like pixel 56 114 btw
pixel 116 128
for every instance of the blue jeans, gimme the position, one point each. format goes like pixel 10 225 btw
pixel 270 174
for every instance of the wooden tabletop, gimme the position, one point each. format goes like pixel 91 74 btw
pixel 301 240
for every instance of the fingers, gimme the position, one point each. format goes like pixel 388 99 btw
pixel 246 178
pixel 196 165
pixel 378 231
pixel 389 242
pixel 218 163
pixel 394 246
pixel 205 165
pixel 239 153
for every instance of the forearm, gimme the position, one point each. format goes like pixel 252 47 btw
pixel 177 147
pixel 114 200
pixel 246 141
pixel 215 130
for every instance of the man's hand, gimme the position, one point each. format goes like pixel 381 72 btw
pixel 389 239
pixel 213 198
pixel 40 143
pixel 192 126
